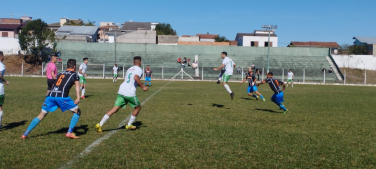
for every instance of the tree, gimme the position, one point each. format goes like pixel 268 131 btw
pixel 34 37
pixel 164 29
pixel 347 49
pixel 221 39
pixel 90 23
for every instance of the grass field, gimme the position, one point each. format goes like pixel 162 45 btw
pixel 195 125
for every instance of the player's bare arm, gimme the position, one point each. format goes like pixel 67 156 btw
pixel 77 84
pixel 220 67
pixel 79 70
pixel 2 79
pixel 53 75
pixel 262 82
pixel 138 81
pixel 245 79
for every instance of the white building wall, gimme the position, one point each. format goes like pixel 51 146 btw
pixel 261 39
pixel 207 40
pixel 356 61
pixel 189 39
pixel 10 46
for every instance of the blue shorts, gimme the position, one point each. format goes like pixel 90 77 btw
pixel 277 98
pixel 147 78
pixel 252 89
pixel 52 103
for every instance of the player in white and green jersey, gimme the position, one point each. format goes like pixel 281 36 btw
pixel 127 95
pixel 82 75
pixel 2 80
pixel 290 76
pixel 229 66
pixel 115 71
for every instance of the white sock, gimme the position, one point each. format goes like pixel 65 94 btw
pixel 219 79
pixel 83 92
pixel 133 118
pixel 227 88
pixel 104 119
pixel 1 116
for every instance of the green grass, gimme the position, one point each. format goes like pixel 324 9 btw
pixel 196 125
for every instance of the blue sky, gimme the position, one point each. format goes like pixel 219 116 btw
pixel 297 20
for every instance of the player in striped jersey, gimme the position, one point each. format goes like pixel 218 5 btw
pixel 58 97
pixel 275 84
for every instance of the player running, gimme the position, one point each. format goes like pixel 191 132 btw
pixel 127 95
pixel 148 75
pixel 51 72
pixel 252 84
pixel 115 71
pixel 274 84
pixel 58 97
pixel 290 76
pixel 81 73
pixel 229 66
pixel 2 80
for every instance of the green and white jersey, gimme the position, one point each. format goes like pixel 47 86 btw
pixel 289 75
pixel 83 68
pixel 129 86
pixel 115 69
pixel 2 71
pixel 229 65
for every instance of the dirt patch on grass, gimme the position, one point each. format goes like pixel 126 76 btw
pixel 13 65
pixel 356 76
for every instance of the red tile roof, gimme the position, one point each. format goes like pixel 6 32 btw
pixel 315 44
pixel 207 36
pixel 9 26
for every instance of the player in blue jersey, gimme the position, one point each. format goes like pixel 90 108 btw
pixel 58 97
pixel 275 84
pixel 148 75
pixel 251 78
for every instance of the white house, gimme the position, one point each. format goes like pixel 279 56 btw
pixel 257 39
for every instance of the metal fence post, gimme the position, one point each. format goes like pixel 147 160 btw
pixel 103 70
pixel 202 73
pixel 162 72
pixel 283 74
pixel 42 68
pixel 242 73
pixel 365 76
pixel 22 69
pixel 143 70
pixel 62 66
pixel 262 78
pixel 303 75
pixel 324 76
pixel 123 70
pixel 344 78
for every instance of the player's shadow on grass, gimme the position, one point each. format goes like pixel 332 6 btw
pixel 268 110
pixel 138 125
pixel 87 96
pixel 218 105
pixel 80 130
pixel 246 98
pixel 13 125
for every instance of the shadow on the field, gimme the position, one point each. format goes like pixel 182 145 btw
pixel 138 125
pixel 218 105
pixel 246 98
pixel 190 104
pixel 268 110
pixel 13 125
pixel 80 130
pixel 87 96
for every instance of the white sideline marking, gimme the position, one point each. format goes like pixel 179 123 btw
pixel 90 148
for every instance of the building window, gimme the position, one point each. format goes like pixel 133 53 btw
pixel 4 34
pixel 252 43
pixel 266 44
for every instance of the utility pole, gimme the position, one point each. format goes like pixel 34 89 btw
pixel 269 28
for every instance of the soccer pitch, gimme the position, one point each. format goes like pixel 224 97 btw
pixel 194 125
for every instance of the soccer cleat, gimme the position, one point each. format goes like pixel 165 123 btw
pixel 284 112
pixel 218 82
pixel 131 127
pixel 257 97
pixel 71 135
pixel 83 97
pixel 263 99
pixel 232 95
pixel 23 137
pixel 98 127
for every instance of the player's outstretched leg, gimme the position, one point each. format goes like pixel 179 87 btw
pixel 262 97
pixel 133 118
pixel 150 83
pixel 106 117
pixel 74 120
pixel 34 123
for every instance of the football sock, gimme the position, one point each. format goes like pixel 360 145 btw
pixel 254 95
pixel 145 83
pixel 227 88
pixel 73 122
pixel 104 119
pixel 83 92
pixel 149 83
pixel 32 125
pixel 262 97
pixel 282 107
pixel 133 118
pixel 1 116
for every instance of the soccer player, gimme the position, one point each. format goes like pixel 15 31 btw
pixel 58 97
pixel 114 71
pixel 229 66
pixel 51 72
pixel 2 80
pixel 127 95
pixel 148 75
pixel 252 84
pixel 81 73
pixel 220 75
pixel 290 76
pixel 274 84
